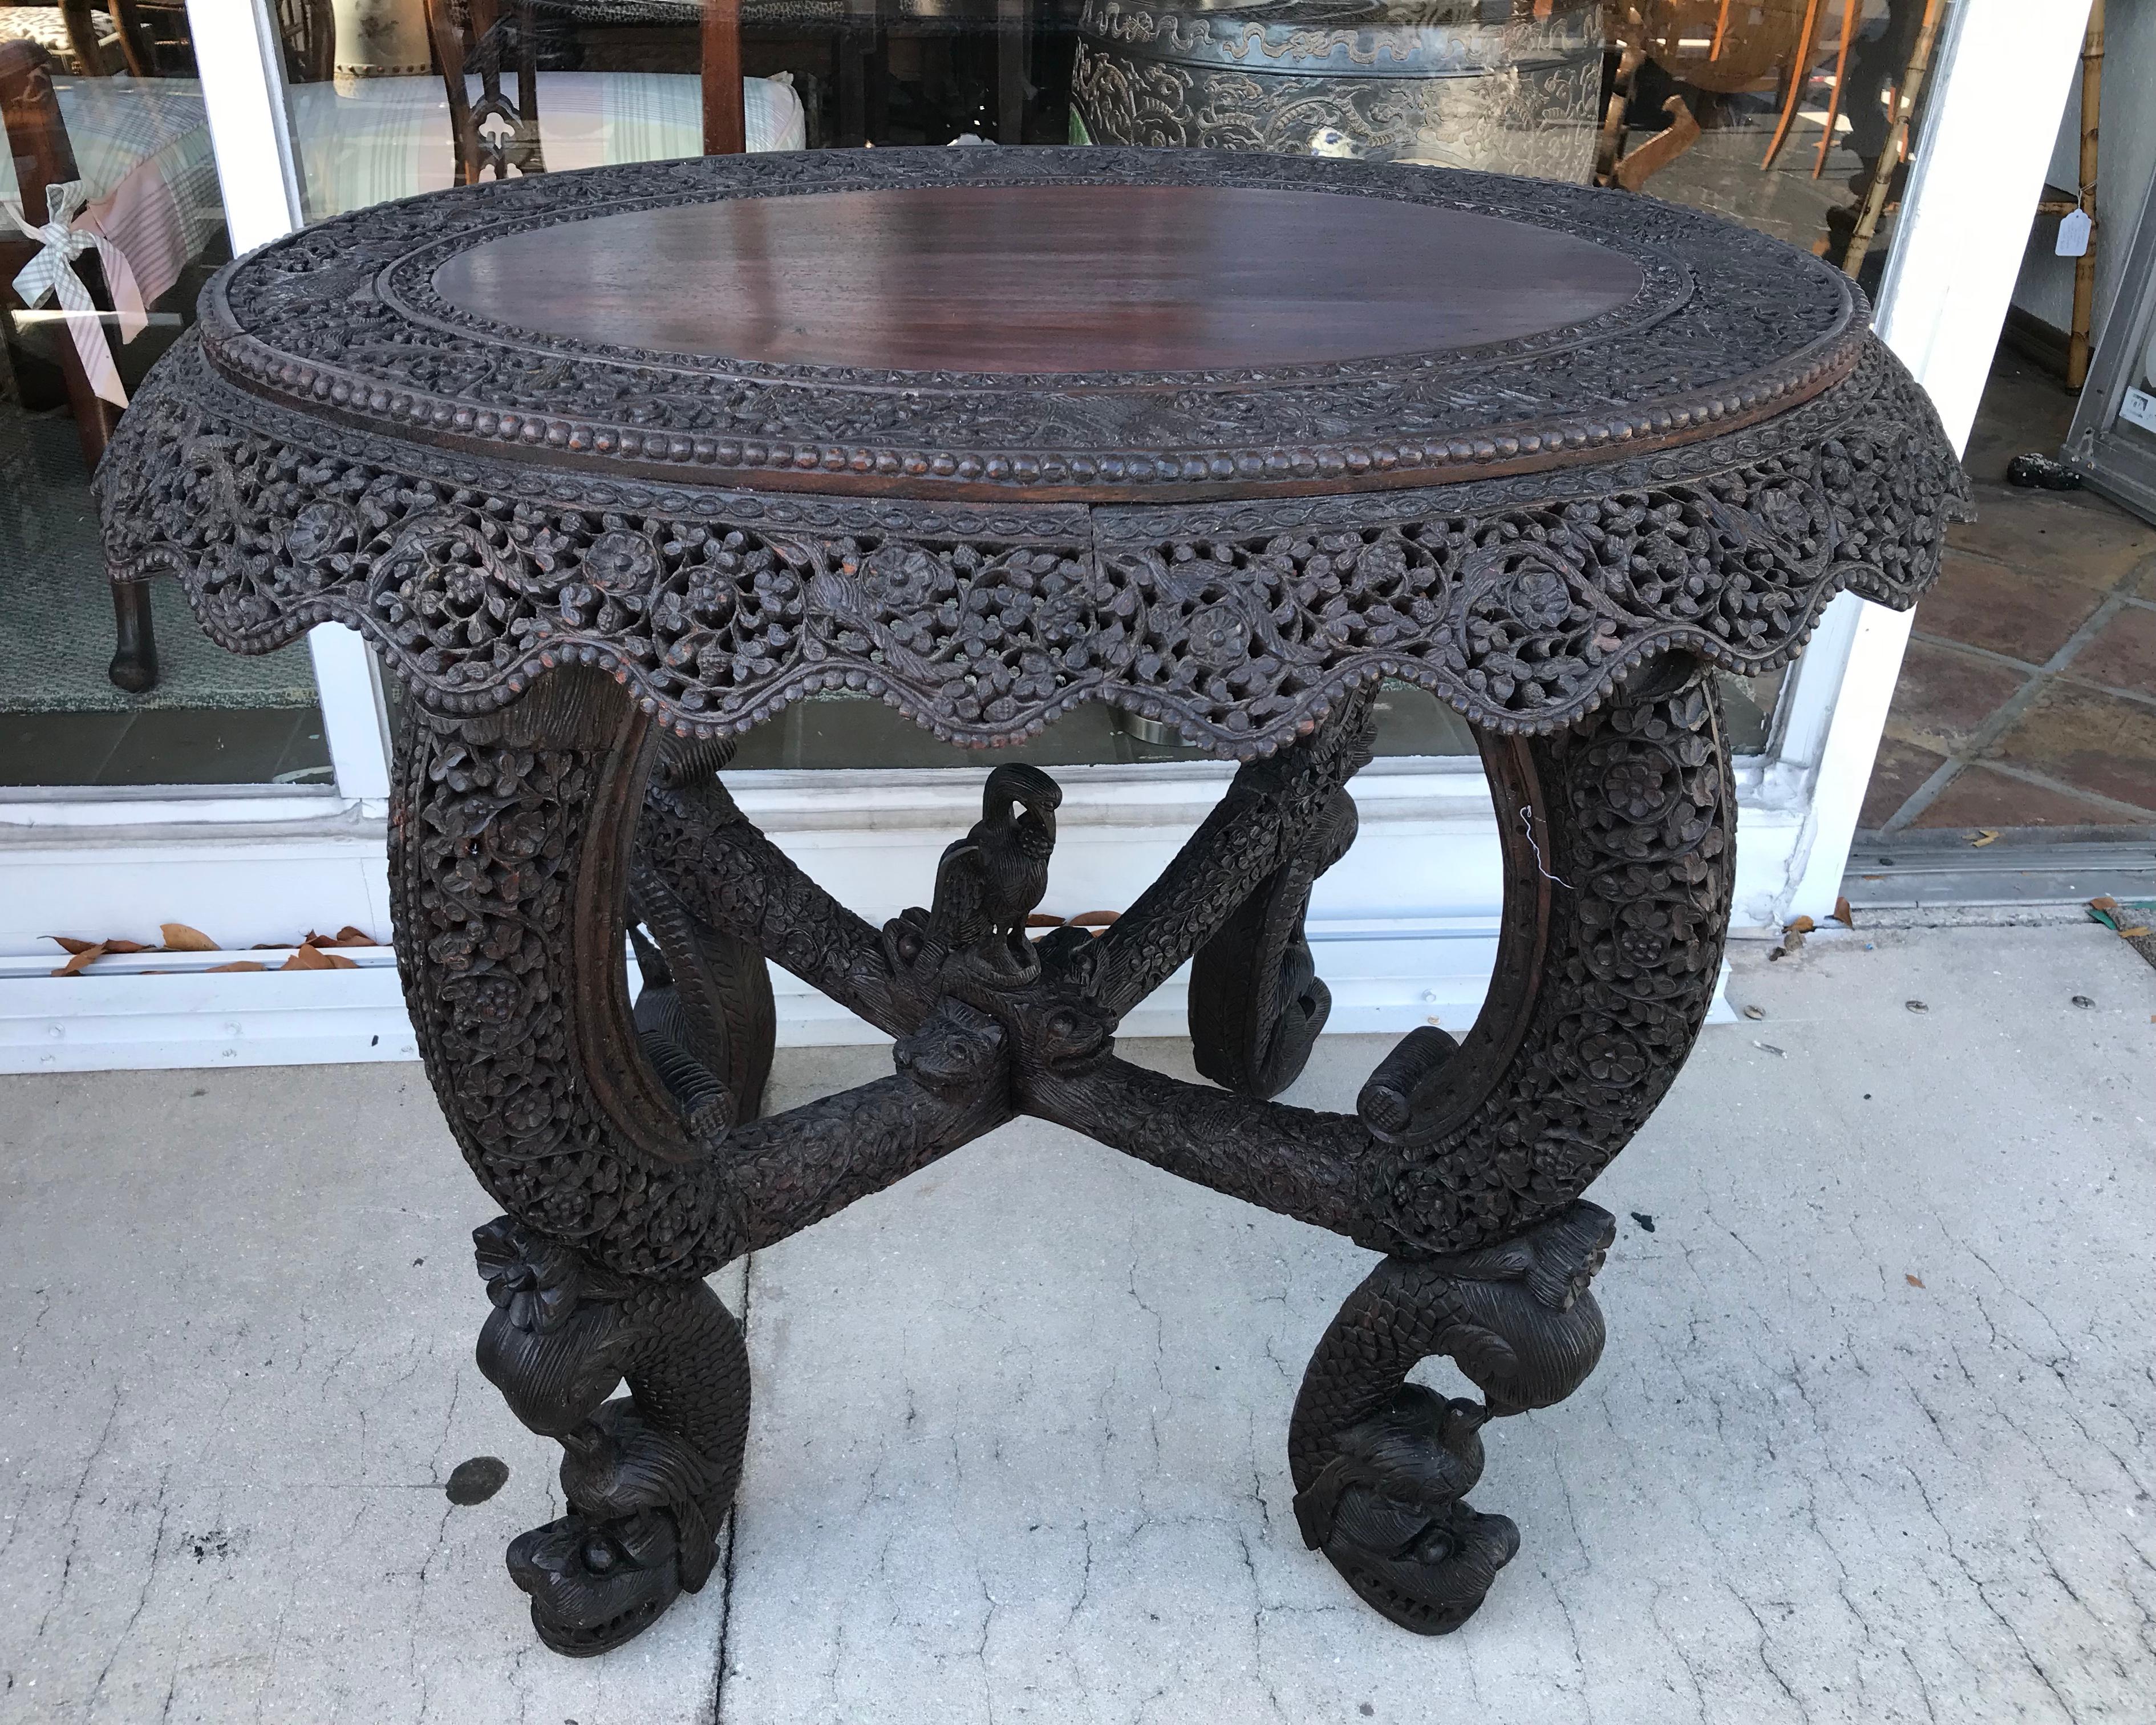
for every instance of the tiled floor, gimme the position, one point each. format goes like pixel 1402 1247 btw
pixel 2028 698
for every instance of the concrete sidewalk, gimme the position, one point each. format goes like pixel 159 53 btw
pixel 1870 1442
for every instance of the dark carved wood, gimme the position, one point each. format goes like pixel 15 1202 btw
pixel 1386 83
pixel 583 638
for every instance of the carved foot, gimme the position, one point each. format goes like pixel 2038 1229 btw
pixel 648 1475
pixel 1382 1467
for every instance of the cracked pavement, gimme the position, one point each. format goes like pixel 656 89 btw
pixel 1870 1441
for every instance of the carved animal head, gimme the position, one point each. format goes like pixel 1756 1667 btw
pixel 1528 1332
pixel 554 1345
pixel 1023 800
pixel 594 1584
pixel 956 1052
pixel 1387 1511
pixel 643 1527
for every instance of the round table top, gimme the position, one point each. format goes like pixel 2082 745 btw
pixel 990 433
pixel 1090 324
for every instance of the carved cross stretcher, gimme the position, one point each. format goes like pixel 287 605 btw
pixel 1553 454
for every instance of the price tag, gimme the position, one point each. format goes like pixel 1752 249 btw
pixel 2139 407
pixel 2074 229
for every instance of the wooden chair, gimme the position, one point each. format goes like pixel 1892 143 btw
pixel 502 38
pixel 308 30
pixel 73 22
pixel 37 139
pixel 1724 47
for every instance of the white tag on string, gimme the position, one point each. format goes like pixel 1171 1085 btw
pixel 2074 229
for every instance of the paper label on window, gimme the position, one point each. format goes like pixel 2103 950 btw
pixel 2139 408
pixel 2074 229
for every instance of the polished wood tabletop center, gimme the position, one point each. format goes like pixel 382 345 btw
pixel 1032 280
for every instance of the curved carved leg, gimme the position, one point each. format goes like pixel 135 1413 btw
pixel 1619 869
pixel 1382 1467
pixel 649 1475
pixel 619 1140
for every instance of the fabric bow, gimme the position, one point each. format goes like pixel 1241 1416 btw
pixel 52 273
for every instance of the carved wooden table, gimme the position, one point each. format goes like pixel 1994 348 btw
pixel 610 466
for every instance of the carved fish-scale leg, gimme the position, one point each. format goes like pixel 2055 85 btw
pixel 1618 871
pixel 1382 1467
pixel 618 1137
pixel 647 1477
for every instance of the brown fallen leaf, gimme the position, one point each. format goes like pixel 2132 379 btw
pixel 67 942
pixel 2134 933
pixel 2106 903
pixel 80 958
pixel 1803 925
pixel 1984 835
pixel 180 938
pixel 238 964
pixel 1914 1281
pixel 1041 919
pixel 1843 914
pixel 314 958
pixel 1095 919
pixel 348 935
pixel 117 945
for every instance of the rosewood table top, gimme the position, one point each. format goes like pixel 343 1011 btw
pixel 610 466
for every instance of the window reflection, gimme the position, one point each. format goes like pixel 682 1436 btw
pixel 108 145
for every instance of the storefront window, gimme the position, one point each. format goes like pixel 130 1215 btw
pixel 1776 113
pixel 106 103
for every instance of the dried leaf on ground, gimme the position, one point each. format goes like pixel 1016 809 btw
pixel 1041 919
pixel 67 942
pixel 1914 1281
pixel 80 958
pixel 1803 925
pixel 1095 919
pixel 238 964
pixel 314 958
pixel 1843 914
pixel 347 935
pixel 120 946
pixel 180 938
pixel 1984 835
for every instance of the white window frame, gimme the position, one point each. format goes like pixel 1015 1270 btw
pixel 1406 927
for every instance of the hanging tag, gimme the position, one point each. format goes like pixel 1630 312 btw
pixel 2074 229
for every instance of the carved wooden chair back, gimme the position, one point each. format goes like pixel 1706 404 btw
pixel 498 132
pixel 37 139
pixel 308 30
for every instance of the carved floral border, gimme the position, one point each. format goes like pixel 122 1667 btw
pixel 1520 602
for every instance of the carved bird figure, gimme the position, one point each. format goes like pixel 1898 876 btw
pixel 989 881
